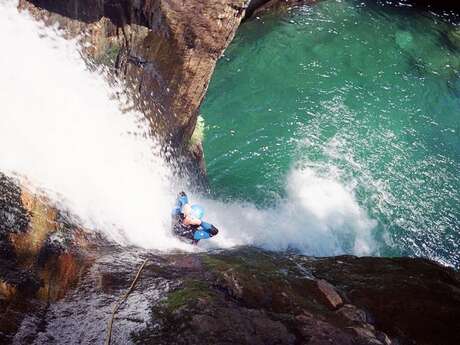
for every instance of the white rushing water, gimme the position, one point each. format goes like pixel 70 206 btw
pixel 62 130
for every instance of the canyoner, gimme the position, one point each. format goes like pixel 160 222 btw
pixel 187 223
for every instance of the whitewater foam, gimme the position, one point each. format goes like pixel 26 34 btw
pixel 62 128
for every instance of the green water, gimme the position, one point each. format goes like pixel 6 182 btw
pixel 364 95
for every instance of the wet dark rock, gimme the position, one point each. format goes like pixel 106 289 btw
pixel 34 268
pixel 408 298
pixel 352 313
pixel 221 322
pixel 14 217
pixel 314 330
pixel 234 282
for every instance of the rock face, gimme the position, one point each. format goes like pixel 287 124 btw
pixel 42 254
pixel 58 284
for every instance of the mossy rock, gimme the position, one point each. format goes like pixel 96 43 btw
pixel 109 55
pixel 198 133
pixel 189 293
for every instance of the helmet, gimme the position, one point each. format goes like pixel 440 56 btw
pixel 197 212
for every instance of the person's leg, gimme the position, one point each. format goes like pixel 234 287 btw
pixel 210 229
pixel 201 235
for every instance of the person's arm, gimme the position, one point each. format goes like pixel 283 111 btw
pixel 182 199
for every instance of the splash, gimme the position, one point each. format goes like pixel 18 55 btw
pixel 319 216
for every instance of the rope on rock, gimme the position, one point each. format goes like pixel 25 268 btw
pixel 120 302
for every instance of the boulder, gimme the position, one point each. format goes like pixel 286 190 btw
pixel 329 294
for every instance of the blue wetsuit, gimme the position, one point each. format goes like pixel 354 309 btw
pixel 191 232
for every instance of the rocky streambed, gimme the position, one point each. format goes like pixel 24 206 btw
pixel 59 283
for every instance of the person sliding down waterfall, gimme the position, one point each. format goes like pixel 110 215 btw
pixel 188 223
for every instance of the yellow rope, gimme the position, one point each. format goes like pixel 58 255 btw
pixel 120 302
